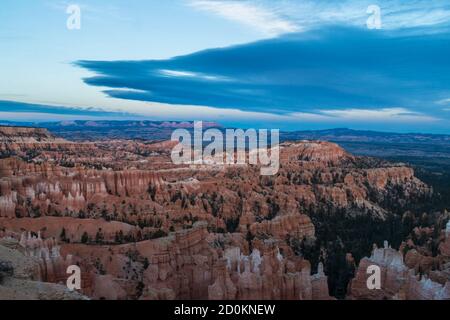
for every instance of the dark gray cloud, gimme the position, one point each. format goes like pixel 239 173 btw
pixel 331 68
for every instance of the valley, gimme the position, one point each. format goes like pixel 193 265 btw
pixel 141 227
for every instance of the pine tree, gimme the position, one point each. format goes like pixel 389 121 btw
pixel 85 238
pixel 62 236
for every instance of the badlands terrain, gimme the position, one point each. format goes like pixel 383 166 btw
pixel 141 227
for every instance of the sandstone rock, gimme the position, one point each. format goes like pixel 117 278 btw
pixel 397 281
pixel 141 227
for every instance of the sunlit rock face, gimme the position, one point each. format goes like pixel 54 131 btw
pixel 141 227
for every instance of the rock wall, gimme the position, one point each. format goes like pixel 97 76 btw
pixel 397 280
pixel 144 228
pixel 266 276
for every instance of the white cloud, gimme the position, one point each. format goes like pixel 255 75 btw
pixel 190 74
pixel 282 16
pixel 46 117
pixel 90 11
pixel 305 116
pixel 256 16
pixel 399 115
pixel 443 101
pixel 379 115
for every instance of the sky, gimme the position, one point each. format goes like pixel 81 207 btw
pixel 292 65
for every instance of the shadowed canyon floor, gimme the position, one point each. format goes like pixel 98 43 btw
pixel 141 227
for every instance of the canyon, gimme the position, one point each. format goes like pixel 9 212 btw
pixel 141 227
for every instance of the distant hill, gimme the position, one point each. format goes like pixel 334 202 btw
pixel 431 151
pixel 89 130
pixel 416 148
pixel 147 129
pixel 347 135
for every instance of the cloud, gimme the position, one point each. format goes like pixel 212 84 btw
pixel 416 14
pixel 19 110
pixel 346 68
pixel 443 101
pixel 259 17
pixel 193 75
pixel 92 12
pixel 379 115
pixel 279 17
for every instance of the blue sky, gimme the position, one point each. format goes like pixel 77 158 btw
pixel 279 64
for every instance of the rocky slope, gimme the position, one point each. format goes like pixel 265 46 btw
pixel 25 141
pixel 23 270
